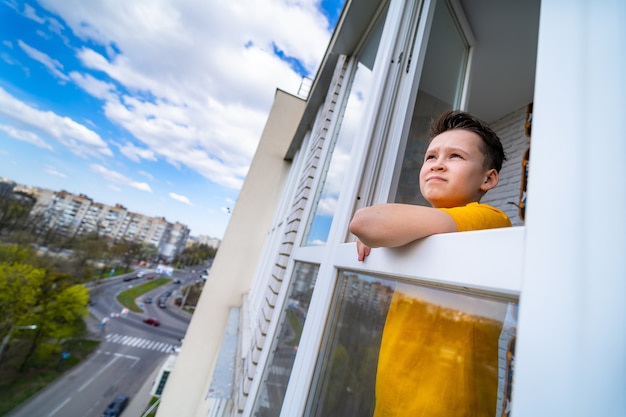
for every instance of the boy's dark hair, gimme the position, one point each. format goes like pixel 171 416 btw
pixel 491 145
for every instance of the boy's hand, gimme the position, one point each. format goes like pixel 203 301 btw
pixel 362 250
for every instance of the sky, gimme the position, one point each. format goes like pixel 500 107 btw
pixel 157 105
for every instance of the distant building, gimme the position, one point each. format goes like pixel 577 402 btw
pixel 211 242
pixel 6 185
pixel 12 191
pixel 178 234
pixel 77 214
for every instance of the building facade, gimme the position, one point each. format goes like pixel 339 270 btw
pixel 292 326
pixel 77 214
pixel 211 242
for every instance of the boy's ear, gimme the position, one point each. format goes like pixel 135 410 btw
pixel 490 180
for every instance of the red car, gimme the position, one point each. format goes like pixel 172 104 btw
pixel 151 321
pixel 149 276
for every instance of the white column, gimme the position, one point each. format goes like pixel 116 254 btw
pixel 571 352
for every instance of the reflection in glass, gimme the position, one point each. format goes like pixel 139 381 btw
pixel 326 200
pixel 276 374
pixel 414 350
pixel 345 376
pixel 441 84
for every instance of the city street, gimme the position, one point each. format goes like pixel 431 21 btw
pixel 129 352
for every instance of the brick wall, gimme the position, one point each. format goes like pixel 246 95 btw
pixel 510 129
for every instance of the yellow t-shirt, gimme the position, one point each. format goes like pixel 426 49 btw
pixel 433 361
pixel 477 216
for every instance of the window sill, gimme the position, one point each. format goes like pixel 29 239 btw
pixel 480 261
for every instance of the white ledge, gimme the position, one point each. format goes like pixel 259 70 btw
pixel 484 260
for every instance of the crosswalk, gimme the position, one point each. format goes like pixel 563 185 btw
pixel 140 343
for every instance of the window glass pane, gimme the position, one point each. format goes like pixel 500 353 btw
pixel 337 164
pixel 271 394
pixel 440 88
pixel 412 349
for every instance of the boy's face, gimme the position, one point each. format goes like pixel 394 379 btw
pixel 453 173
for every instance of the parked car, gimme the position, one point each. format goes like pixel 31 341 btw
pixel 116 407
pixel 151 321
pixel 147 300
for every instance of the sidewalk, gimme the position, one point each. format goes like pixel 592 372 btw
pixel 139 403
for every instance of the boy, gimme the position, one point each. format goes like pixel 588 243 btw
pixel 460 165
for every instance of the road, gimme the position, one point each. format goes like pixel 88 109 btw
pixel 129 352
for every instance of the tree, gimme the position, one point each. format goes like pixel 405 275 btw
pixel 16 254
pixel 127 251
pixel 61 310
pixel 20 291
pixel 148 251
pixel 33 291
pixel 85 251
pixel 14 209
pixel 195 254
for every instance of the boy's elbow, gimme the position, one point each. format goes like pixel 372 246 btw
pixel 356 225
pixel 361 227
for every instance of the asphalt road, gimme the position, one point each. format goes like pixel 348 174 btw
pixel 129 352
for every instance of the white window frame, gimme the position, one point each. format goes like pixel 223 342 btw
pixel 304 365
pixel 425 261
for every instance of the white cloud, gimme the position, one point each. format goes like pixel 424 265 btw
pixel 77 138
pixel 114 188
pixel 327 205
pixel 147 175
pixel 136 154
pixel 180 198
pixel 118 178
pixel 194 79
pixel 25 136
pixel 52 171
pixel 54 66
pixel 142 186
pixel 97 88
pixel 30 13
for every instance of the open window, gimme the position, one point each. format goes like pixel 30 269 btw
pixel 443 54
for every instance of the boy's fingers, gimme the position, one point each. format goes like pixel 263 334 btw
pixel 362 251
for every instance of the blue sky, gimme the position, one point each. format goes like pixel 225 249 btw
pixel 157 105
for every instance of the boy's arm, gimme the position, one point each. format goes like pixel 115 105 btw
pixel 392 225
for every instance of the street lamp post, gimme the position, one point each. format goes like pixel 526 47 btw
pixel 6 339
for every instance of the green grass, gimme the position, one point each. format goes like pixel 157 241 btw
pixel 127 298
pixel 153 412
pixel 17 386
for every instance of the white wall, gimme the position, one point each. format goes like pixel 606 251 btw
pixel 234 266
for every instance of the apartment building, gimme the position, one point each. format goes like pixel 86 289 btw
pixel 290 323
pixel 66 212
pixel 178 235
pixel 211 242
pixel 77 214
